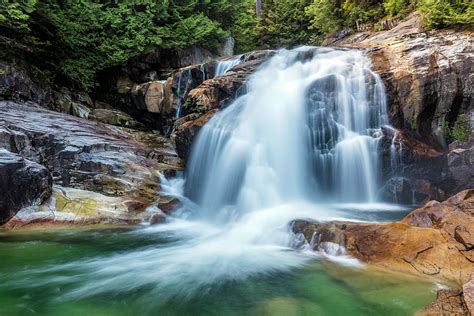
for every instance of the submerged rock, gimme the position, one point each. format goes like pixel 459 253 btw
pixel 433 240
pixel 22 183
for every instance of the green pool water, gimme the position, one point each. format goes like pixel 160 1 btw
pixel 30 284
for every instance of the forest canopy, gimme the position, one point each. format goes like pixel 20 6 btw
pixel 72 40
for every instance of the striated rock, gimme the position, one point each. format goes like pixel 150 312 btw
pixel 22 183
pixel 433 240
pixel 87 155
pixel 213 94
pixel 429 76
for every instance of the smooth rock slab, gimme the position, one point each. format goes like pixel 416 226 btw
pixel 87 155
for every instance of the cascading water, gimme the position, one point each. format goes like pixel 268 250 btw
pixel 225 65
pixel 304 133
pixel 307 129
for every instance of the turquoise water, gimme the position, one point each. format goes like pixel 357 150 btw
pixel 32 284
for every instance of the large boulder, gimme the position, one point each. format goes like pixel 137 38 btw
pixel 22 183
pixel 436 239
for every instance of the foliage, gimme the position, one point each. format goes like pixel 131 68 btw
pixel 447 13
pixel 325 16
pixel 70 41
pixel 282 23
pixel 77 39
pixel 462 128
pixel 16 14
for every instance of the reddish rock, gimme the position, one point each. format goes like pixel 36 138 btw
pixel 433 240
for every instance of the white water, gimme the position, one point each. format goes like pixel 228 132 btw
pixel 224 66
pixel 300 144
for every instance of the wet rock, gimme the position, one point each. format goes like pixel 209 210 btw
pixel 448 302
pixel 76 207
pixel 427 241
pixel 208 98
pixel 87 155
pixel 397 190
pixel 157 218
pixel 428 75
pixel 22 183
pixel 168 205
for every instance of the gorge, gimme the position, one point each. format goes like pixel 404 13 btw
pixel 271 182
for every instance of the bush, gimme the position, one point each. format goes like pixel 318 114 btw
pixel 446 13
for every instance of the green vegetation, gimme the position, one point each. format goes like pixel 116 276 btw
pixel 71 41
pixel 290 22
pixel 462 128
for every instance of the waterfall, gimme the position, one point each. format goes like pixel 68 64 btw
pixel 299 143
pixel 225 65
pixel 307 129
pixel 229 46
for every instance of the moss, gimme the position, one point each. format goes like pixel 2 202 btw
pixel 413 123
pixel 461 130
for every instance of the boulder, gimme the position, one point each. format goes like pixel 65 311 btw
pixel 22 183
pixel 433 240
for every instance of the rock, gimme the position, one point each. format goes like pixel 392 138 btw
pixel 135 206
pixel 427 241
pixel 183 135
pixel 448 302
pixel 204 101
pixel 16 84
pixel 69 206
pixel 429 76
pixel 149 96
pixel 80 110
pixel 397 190
pixel 22 183
pixel 157 218
pixel 468 293
pixel 168 205
pixel 87 155
pixel 115 117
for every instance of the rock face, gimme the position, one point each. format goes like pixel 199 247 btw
pixel 429 76
pixel 22 183
pixel 433 240
pixel 85 154
pixel 429 80
pixel 88 155
pixel 204 101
